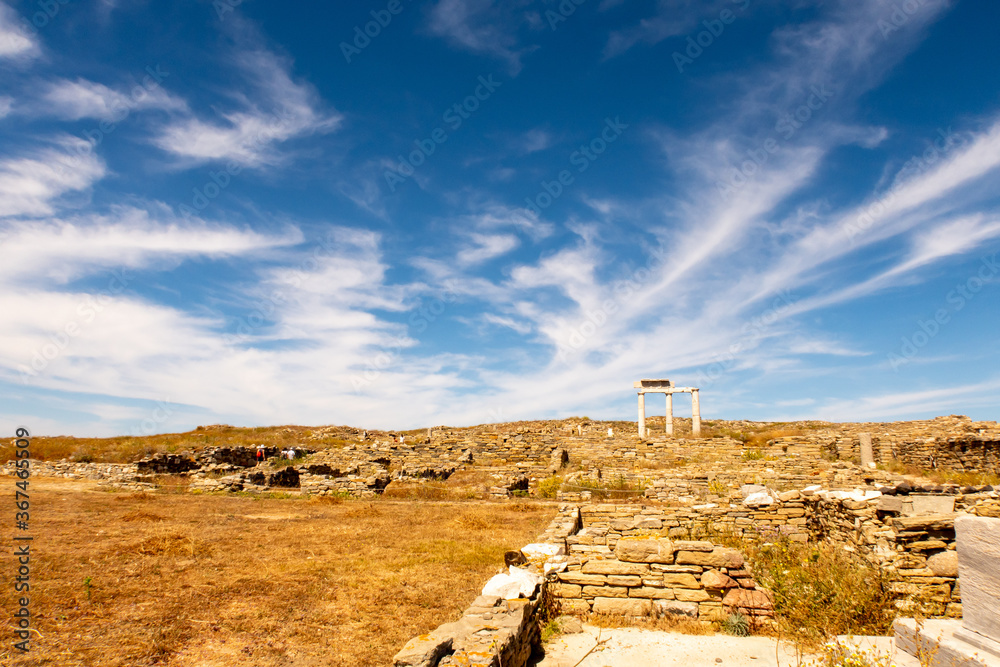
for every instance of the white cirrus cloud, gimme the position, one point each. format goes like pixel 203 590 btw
pixel 32 182
pixel 73 100
pixel 274 109
pixel 15 40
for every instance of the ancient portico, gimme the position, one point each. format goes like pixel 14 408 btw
pixel 667 387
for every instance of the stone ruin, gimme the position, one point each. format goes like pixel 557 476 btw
pixel 974 641
pixel 839 483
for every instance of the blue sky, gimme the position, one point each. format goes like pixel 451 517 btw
pixel 404 213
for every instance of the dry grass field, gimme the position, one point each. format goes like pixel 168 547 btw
pixel 129 580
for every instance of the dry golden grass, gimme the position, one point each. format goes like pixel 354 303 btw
pixel 756 436
pixel 181 579
pixel 963 478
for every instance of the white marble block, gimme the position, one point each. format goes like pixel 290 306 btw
pixel 978 545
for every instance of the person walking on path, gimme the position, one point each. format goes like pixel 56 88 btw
pixel 260 454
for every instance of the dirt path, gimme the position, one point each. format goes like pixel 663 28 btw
pixel 629 647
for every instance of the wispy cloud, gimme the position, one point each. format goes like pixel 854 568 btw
pixel 486 27
pixel 32 182
pixel 670 18
pixel 73 100
pixel 274 109
pixel 15 42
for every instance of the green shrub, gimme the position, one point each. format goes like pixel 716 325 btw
pixel 737 625
pixel 549 487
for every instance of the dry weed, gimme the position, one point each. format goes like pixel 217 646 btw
pixel 241 582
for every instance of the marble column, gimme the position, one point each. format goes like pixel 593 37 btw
pixel 695 414
pixel 670 414
pixel 642 415
pixel 865 445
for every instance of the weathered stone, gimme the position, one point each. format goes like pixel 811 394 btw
pixel 741 598
pixel 712 611
pixel 689 595
pixel 713 579
pixel 865 445
pixel 426 650
pixel 944 564
pixel 605 591
pixel 924 523
pixel 675 608
pixel 718 557
pixel 914 504
pixel 573 577
pixel 572 606
pixel 613 567
pixel 624 580
pixel 683 545
pixel 927 545
pixel 978 558
pixel 632 550
pixel 679 580
pixel 890 504
pixel 654 593
pixel 627 607
pixel 565 590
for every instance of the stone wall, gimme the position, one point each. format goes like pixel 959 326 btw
pixel 495 631
pixel 649 576
pixel 909 536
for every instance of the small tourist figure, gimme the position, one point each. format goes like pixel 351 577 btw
pixel 260 454
pixel 291 453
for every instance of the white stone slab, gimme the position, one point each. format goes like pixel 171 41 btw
pixel 917 504
pixel 978 546
pixel 940 643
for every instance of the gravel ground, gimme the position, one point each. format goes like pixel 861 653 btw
pixel 629 647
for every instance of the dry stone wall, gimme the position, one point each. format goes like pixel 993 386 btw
pixel 494 631
pixel 650 576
